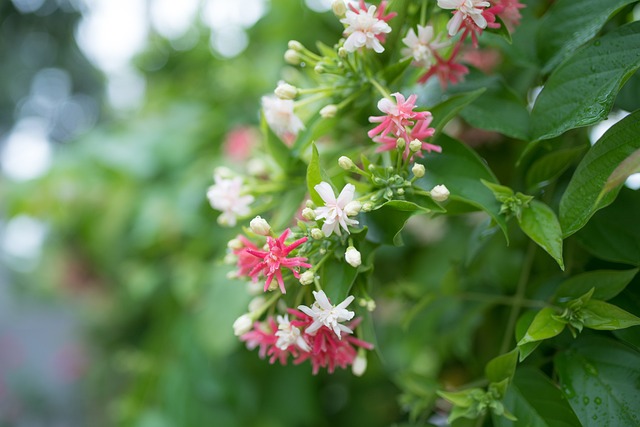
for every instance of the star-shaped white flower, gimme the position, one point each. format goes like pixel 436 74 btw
pixel 226 196
pixel 333 212
pixel 422 46
pixel 362 29
pixel 325 314
pixel 289 335
pixel 465 9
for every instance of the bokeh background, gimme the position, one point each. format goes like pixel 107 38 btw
pixel 114 303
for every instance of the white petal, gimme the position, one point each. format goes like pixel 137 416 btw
pixel 346 195
pixel 322 300
pixel 346 302
pixel 326 192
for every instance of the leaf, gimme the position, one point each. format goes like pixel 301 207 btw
pixel 502 30
pixel 549 167
pixel 607 317
pixel 599 377
pixel 316 126
pixel 569 24
pixel 581 198
pixel 392 72
pixel 386 223
pixel 606 283
pixel 502 367
pixel 613 233
pixel 461 169
pixel 628 167
pixel 315 175
pixel 449 108
pixel 522 325
pixel 275 147
pixel 540 223
pixel 544 326
pixel 536 401
pixel 582 90
pixel 337 277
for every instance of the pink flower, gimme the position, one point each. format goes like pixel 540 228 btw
pixel 422 46
pixel 239 143
pixel 246 261
pixel 226 196
pixel 509 12
pixel 448 71
pixel 365 27
pixel 275 259
pixel 264 335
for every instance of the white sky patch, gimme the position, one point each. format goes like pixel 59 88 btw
pixel 173 18
pixel 27 151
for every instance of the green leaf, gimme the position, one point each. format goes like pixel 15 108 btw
pixel 628 167
pixel 569 24
pixel 536 401
pixel 522 325
pixel 315 175
pixel 461 169
pixel 500 192
pixel 461 398
pixel 581 198
pixel 613 233
pixel 599 377
pixel 606 283
pixel 316 126
pixel 336 278
pixel 540 223
pixel 449 108
pixel 502 30
pixel 275 147
pixel 544 326
pixel 582 90
pixel 607 317
pixel 391 73
pixel 549 167
pixel 502 367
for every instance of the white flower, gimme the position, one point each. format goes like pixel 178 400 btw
pixel 289 335
pixel 362 29
pixel 353 257
pixel 325 314
pixel 280 116
pixel 465 9
pixel 440 193
pixel 225 196
pixel 333 210
pixel 242 325
pixel 421 46
pixel 260 226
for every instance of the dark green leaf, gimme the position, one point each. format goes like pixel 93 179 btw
pixel 502 367
pixel 448 109
pixel 600 378
pixel 571 23
pixel 461 169
pixel 536 401
pixel 544 326
pixel 607 284
pixel 391 73
pixel 581 91
pixel 540 223
pixel 607 317
pixel 551 166
pixel 581 199
pixel 336 278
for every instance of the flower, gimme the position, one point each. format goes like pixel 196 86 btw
pixel 260 226
pixel 225 196
pixel 280 116
pixel 307 277
pixel 239 142
pixel 418 170
pixel 325 314
pixel 440 193
pixel 364 29
pixel 242 325
pixel 286 91
pixel 333 210
pixel 245 261
pixel 421 46
pixel 465 10
pixel 509 12
pixel 353 257
pixel 447 71
pixel 275 259
pixel 263 335
pixel 289 335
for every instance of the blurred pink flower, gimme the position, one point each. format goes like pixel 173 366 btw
pixel 239 143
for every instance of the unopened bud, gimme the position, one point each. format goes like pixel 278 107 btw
pixel 292 57
pixel 235 244
pixel 415 145
pixel 260 226
pixel 223 172
pixel 328 111
pixel 401 143
pixel 418 170
pixel 367 207
pixel 307 278
pixel 286 91
pixel 359 364
pixel 342 52
pixel 230 259
pixel 309 203
pixel 256 167
pixel 339 8
pixel 353 257
pixel 295 45
pixel 256 303
pixel 353 208
pixel 319 69
pixel 242 325
pixel 317 234
pixel 308 214
pixel 440 193
pixel 346 163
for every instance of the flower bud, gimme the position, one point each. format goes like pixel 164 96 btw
pixel 319 69
pixel 367 207
pixel 415 145
pixel 346 163
pixel 440 193
pixel 401 143
pixel 230 259
pixel 223 172
pixel 295 45
pixel 328 111
pixel 242 325
pixel 353 208
pixel 308 214
pixel 309 203
pixel 359 364
pixel 418 170
pixel 256 303
pixel 339 8
pixel 286 91
pixel 317 234
pixel 292 57
pixel 260 226
pixel 256 167
pixel 307 278
pixel 352 256
pixel 235 244
pixel 342 52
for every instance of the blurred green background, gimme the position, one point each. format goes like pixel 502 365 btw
pixel 114 303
